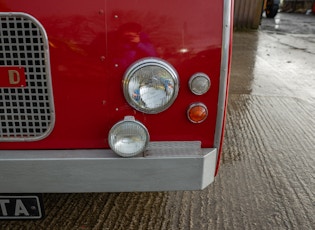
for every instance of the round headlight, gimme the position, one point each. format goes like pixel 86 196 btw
pixel 128 138
pixel 199 83
pixel 150 85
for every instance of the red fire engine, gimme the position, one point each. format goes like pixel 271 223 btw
pixel 108 96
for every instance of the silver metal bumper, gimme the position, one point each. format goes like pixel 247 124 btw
pixel 165 166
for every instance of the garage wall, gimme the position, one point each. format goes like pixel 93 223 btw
pixel 298 6
pixel 247 13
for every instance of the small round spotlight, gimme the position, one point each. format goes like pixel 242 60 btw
pixel 128 137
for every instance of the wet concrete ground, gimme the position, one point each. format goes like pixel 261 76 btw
pixel 267 174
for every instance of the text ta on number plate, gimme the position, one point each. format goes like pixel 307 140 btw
pixel 12 77
pixel 21 206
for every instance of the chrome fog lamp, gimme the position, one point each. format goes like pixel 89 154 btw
pixel 199 83
pixel 151 85
pixel 128 137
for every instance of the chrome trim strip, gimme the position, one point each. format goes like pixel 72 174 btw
pixel 224 70
pixel 166 166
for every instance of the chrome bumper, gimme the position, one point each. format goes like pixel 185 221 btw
pixel 165 166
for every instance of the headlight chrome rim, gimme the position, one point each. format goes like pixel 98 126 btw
pixel 145 95
pixel 118 136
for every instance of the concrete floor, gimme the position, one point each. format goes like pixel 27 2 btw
pixel 267 174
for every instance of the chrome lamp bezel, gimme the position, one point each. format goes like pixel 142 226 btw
pixel 169 87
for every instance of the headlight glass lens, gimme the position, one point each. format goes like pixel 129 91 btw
pixel 128 138
pixel 151 85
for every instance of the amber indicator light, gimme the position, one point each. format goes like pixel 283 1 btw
pixel 197 112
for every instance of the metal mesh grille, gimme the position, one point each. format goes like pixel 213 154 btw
pixel 26 113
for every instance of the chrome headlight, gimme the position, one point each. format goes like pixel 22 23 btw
pixel 128 138
pixel 150 85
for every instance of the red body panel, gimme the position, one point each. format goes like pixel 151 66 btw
pixel 88 58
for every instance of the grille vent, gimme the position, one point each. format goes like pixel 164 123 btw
pixel 26 113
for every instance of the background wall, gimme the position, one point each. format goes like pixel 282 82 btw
pixel 247 13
